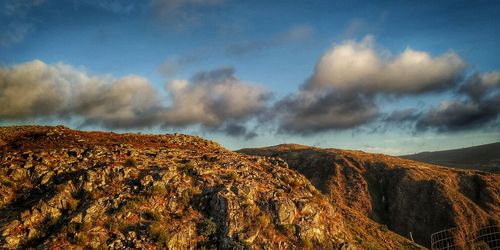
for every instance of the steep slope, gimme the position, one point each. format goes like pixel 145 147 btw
pixel 407 196
pixel 484 157
pixel 62 188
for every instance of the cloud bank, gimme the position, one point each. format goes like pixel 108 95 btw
pixel 341 93
pixel 216 100
pixel 345 91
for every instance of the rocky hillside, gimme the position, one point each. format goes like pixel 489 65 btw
pixel 62 189
pixel 407 196
pixel 483 157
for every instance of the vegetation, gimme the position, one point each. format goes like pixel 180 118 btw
pixel 207 227
pixel 157 232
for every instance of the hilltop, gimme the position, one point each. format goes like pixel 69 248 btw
pixel 405 195
pixel 63 188
pixel 483 157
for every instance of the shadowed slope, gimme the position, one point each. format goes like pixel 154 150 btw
pixel 484 157
pixel 407 196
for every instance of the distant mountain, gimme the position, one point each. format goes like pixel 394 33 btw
pixel 484 157
pixel 408 197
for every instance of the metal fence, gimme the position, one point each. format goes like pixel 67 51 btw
pixel 485 238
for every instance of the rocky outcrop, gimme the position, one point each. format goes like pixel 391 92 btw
pixel 404 195
pixel 62 188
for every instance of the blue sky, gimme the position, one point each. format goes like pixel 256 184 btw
pixel 262 83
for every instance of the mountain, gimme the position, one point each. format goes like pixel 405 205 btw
pixel 408 197
pixel 484 157
pixel 69 189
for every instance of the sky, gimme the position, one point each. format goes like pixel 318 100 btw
pixel 392 77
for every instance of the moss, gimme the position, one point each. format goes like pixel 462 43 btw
pixel 232 176
pixel 384 228
pixel 130 162
pixel 306 244
pixel 289 229
pixel 186 196
pixel 263 220
pixel 371 246
pixel 158 190
pixel 239 245
pixel 159 235
pixel 72 204
pixel 152 215
pixel 207 227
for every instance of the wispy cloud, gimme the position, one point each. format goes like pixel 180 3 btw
pixel 183 13
pixel 172 65
pixel 16 23
pixel 296 33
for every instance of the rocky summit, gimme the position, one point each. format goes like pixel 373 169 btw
pixel 68 189
pixel 411 198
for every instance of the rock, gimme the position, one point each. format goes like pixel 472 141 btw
pixel 46 178
pixel 182 239
pixel 285 211
pixel 19 174
pixel 81 193
pixel 146 181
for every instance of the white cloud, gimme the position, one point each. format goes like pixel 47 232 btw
pixel 358 65
pixel 36 89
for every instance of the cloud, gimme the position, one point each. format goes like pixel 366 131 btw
pixel 217 100
pixel 312 112
pixel 342 91
pixel 294 34
pixel 172 65
pixel 38 90
pixel 114 6
pixel 403 115
pixel 15 19
pixel 359 66
pixel 478 107
pixel 479 85
pixel 235 130
pixel 182 13
pixel 457 116
pixel 212 99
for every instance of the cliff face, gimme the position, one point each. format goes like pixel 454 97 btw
pixel 407 196
pixel 61 188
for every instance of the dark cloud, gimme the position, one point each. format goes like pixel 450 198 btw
pixel 235 130
pixel 457 116
pixel 308 112
pixel 402 116
pixel 294 34
pixel 213 97
pixel 480 85
pixel 478 107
